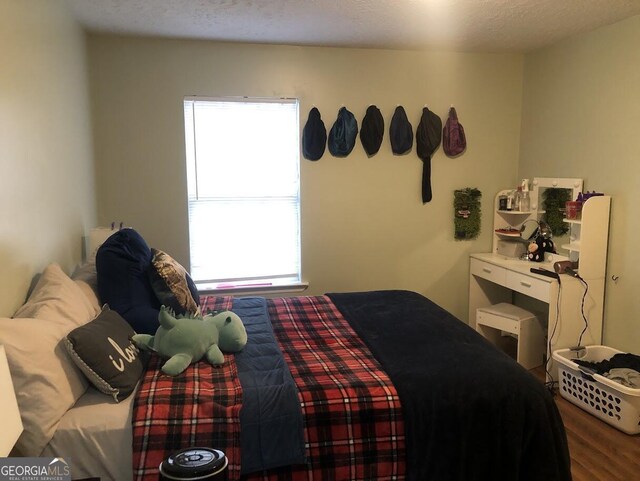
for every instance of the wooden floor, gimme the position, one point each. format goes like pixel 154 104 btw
pixel 599 452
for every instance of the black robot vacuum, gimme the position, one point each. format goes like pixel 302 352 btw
pixel 193 464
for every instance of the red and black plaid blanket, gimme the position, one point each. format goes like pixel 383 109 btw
pixel 353 418
pixel 200 407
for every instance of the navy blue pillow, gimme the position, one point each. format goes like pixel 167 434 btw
pixel 122 263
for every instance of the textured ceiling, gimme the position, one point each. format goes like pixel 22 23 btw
pixel 464 25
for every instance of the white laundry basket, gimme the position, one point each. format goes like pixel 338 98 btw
pixel 608 400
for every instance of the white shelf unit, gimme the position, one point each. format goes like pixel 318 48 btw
pixel 589 237
pixel 588 246
pixel 508 219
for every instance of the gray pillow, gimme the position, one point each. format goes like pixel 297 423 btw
pixel 103 351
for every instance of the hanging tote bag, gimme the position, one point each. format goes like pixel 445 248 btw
pixel 454 141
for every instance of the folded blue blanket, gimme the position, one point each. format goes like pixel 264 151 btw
pixel 272 432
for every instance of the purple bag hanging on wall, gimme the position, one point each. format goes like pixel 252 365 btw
pixel 454 141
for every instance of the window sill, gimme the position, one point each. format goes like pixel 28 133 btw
pixel 209 289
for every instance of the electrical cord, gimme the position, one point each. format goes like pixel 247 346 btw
pixel 584 295
pixel 584 318
pixel 552 383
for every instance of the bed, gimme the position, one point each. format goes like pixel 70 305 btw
pixel 389 386
pixel 393 387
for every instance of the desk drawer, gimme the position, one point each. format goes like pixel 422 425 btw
pixel 536 288
pixel 488 271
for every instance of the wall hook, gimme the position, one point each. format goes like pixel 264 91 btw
pixel 615 278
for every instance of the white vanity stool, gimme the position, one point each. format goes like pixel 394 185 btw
pixel 505 325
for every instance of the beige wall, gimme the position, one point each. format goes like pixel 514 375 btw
pixel 47 196
pixel 363 223
pixel 581 117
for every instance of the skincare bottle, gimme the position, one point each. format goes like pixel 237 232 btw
pixel 525 201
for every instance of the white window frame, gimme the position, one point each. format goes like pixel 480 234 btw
pixel 283 282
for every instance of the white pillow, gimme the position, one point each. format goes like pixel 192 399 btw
pixel 46 381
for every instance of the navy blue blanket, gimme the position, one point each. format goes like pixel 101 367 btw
pixel 271 418
pixel 470 411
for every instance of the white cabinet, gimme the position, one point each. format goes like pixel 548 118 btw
pixel 589 236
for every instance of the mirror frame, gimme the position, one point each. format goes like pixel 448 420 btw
pixel 541 183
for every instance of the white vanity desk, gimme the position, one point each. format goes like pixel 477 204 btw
pixel 495 278
pixel 512 274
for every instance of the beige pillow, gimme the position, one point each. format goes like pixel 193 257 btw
pixel 46 381
pixel 91 296
pixel 57 298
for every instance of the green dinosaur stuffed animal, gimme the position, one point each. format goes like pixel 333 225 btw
pixel 187 339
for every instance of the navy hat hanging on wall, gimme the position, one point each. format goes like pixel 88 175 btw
pixel 342 136
pixel 372 130
pixel 400 132
pixel 314 136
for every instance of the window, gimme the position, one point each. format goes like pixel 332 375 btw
pixel 243 191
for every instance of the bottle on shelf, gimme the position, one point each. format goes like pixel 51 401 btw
pixel 525 201
pixel 510 200
pixel 518 199
pixel 502 202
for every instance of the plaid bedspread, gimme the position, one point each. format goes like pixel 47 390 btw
pixel 200 407
pixel 353 418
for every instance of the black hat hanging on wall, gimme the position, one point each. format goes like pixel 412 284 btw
pixel 314 136
pixel 454 141
pixel 428 137
pixel 400 132
pixel 372 130
pixel 342 136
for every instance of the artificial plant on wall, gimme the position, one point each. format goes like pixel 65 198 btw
pixel 553 204
pixel 466 206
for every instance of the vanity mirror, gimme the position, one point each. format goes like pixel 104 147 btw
pixel 548 197
pixel 529 229
pixel 546 211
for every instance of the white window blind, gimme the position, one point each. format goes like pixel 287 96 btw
pixel 243 191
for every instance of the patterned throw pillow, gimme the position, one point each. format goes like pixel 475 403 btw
pixel 172 284
pixel 104 352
